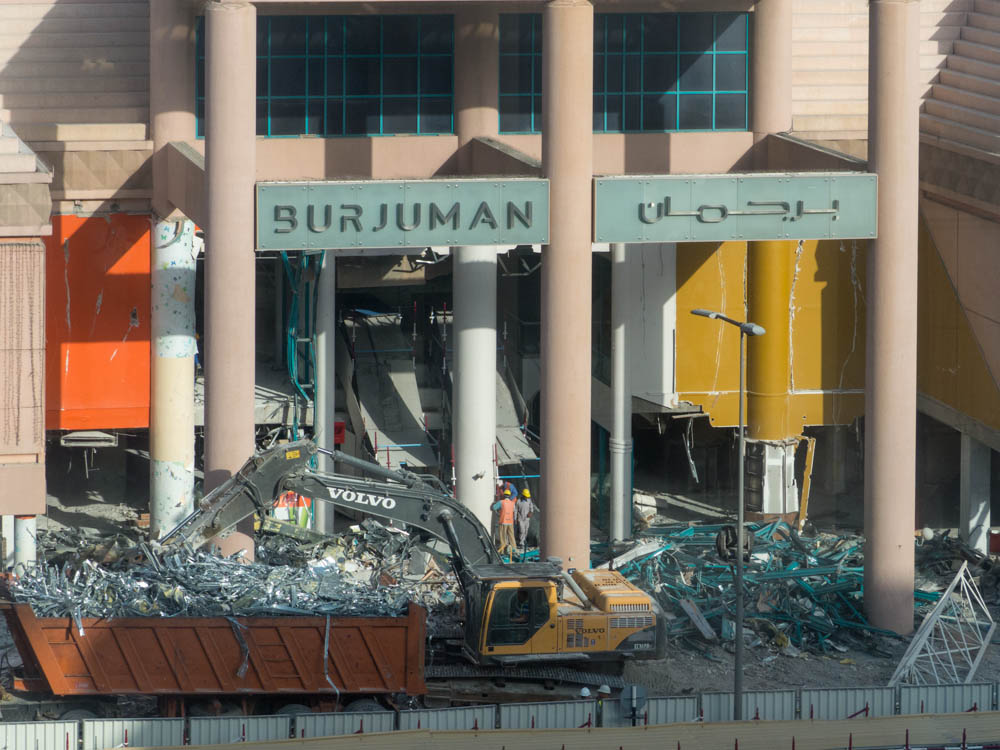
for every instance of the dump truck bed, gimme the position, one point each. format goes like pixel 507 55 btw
pixel 219 655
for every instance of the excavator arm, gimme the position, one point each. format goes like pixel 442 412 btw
pixel 404 498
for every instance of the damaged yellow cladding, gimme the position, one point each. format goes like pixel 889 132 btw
pixel 950 364
pixel 821 285
pixel 826 346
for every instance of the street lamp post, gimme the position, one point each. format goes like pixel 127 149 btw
pixel 746 329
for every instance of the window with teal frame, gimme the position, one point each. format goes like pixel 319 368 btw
pixel 653 72
pixel 349 75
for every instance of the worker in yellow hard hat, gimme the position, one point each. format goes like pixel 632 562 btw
pixel 524 509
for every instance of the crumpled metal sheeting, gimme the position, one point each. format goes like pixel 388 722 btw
pixel 806 588
pixel 197 584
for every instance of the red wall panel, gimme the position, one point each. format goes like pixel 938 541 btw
pixel 97 323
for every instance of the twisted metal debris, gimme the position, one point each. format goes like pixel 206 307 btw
pixel 340 577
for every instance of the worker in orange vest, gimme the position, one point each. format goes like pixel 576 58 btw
pixel 506 507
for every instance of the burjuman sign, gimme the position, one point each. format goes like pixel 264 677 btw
pixel 404 214
pixel 401 213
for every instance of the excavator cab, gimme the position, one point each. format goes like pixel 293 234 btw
pixel 520 618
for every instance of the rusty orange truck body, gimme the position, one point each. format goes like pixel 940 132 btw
pixel 221 658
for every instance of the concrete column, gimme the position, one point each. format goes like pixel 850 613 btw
pixel 325 407
pixel 621 399
pixel 974 494
pixel 7 531
pixel 771 68
pixel 477 48
pixel 891 345
pixel 474 289
pixel 25 550
pixel 567 157
pixel 171 86
pixel 230 141
pixel 171 408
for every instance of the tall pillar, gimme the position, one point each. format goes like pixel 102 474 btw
pixel 477 66
pixel 891 345
pixel 474 289
pixel 567 158
pixel 171 407
pixel 25 536
pixel 230 140
pixel 771 69
pixel 620 442
pixel 324 406
pixel 171 86
pixel 771 436
pixel 474 283
pixel 974 494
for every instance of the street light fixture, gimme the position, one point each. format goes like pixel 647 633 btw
pixel 746 329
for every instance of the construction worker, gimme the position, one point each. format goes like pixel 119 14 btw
pixel 506 507
pixel 523 510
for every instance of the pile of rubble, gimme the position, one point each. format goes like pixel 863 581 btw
pixel 800 593
pixel 370 570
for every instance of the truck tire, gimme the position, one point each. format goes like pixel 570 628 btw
pixel 291 709
pixel 364 704
pixel 76 714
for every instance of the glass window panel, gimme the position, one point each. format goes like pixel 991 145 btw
pixel 659 112
pixel 696 34
pixel 262 76
pixel 536 112
pixel 599 73
pixel 399 115
pixel 616 32
pixel 361 117
pixel 633 112
pixel 288 116
pixel 696 72
pixel 436 75
pixel 600 23
pixel 435 34
pixel 515 74
pixel 536 33
pixel 362 76
pixel 361 35
pixel 199 114
pixel 334 117
pixel 614 68
pixel 599 113
pixel 316 117
pixel 199 36
pixel 731 72
pixel 263 29
pixel 633 32
pixel 399 75
pixel 288 76
pixel 435 114
pixel 731 111
pixel 317 35
pixel 613 113
pixel 334 76
pixel 334 35
pixel 695 111
pixel 633 73
pixel 730 32
pixel 659 73
pixel 262 117
pixel 515 114
pixel 400 35
pixel 536 73
pixel 516 33
pixel 659 32
pixel 199 78
pixel 317 77
pixel 288 35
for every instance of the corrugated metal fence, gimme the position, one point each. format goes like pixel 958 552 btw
pixel 829 703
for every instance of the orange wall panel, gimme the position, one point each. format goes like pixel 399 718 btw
pixel 97 323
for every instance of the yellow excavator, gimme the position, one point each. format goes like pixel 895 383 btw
pixel 515 613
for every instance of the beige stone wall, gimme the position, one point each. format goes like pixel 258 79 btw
pixel 830 61
pixel 22 362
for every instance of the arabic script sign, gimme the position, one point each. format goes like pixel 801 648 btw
pixel 401 213
pixel 716 208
